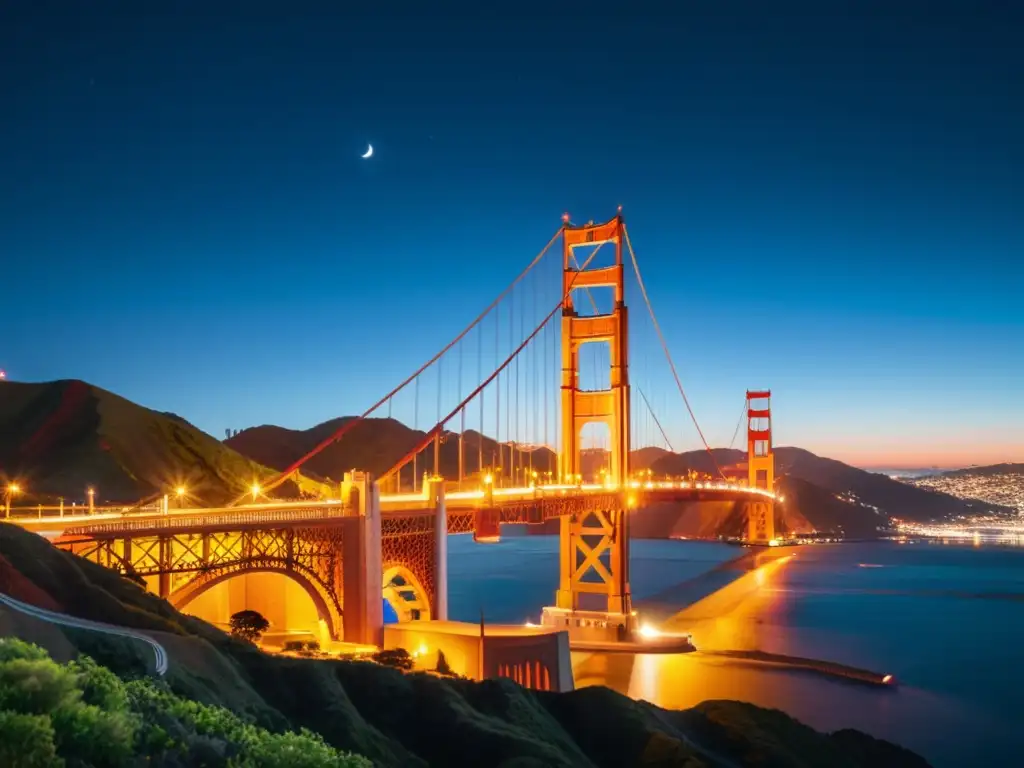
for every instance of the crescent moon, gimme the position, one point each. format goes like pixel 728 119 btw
pixel 369 151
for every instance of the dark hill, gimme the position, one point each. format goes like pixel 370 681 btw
pixel 61 437
pixel 401 719
pixel 643 458
pixel 376 445
pixel 891 497
pixel 824 512
pixel 992 470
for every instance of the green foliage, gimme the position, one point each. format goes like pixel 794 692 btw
pixel 36 686
pixel 398 658
pixel 249 625
pixel 13 648
pixel 82 714
pixel 26 741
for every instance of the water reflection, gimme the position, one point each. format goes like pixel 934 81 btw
pixel 892 618
pixel 946 620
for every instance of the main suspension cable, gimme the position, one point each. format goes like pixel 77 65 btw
pixel 341 431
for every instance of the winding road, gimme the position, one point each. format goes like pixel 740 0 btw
pixel 64 620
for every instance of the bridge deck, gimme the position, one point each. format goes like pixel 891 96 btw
pixel 511 505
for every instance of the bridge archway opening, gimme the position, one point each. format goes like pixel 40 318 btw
pixel 595 451
pixel 292 604
pixel 595 366
pixel 404 596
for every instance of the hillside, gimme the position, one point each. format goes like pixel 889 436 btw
pixel 398 719
pixel 61 437
pixel 998 484
pixel 375 445
pixel 825 512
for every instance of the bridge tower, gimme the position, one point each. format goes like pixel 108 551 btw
pixel 609 406
pixel 594 559
pixel 760 464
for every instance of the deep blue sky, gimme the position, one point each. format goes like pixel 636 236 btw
pixel 827 202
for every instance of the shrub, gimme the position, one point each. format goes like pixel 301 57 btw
pixel 82 714
pixel 249 625
pixel 302 646
pixel 27 741
pixel 394 657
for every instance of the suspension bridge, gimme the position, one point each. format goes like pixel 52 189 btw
pixel 528 415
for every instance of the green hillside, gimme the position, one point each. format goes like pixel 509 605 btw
pixel 399 719
pixel 62 437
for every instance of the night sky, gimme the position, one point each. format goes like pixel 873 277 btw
pixel 826 202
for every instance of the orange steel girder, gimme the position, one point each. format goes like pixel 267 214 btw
pixel 594 559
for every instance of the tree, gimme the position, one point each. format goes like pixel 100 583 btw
pixel 443 667
pixel 249 625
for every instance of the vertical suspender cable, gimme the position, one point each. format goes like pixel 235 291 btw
pixel 668 356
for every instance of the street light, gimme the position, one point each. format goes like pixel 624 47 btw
pixel 180 492
pixel 92 497
pixel 255 491
pixel 12 489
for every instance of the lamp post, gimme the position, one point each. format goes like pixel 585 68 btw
pixel 12 489
pixel 255 491
pixel 91 492
pixel 180 493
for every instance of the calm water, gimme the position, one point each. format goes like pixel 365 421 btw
pixel 948 621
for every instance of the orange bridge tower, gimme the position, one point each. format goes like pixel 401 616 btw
pixel 594 559
pixel 760 464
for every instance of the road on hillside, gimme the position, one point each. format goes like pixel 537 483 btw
pixel 64 620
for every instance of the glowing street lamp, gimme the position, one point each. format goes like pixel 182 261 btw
pixel 255 491
pixel 12 489
pixel 92 499
pixel 180 493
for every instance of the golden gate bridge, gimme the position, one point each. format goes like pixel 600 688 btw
pixel 543 370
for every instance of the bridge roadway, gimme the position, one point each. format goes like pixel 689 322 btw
pixel 534 504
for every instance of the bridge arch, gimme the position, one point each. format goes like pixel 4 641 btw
pixel 405 593
pixel 327 607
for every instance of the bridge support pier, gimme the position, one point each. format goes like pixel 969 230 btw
pixel 439 600
pixel 362 574
pixel 760 520
pixel 594 564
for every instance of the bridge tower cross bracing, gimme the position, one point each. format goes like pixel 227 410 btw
pixel 760 464
pixel 594 546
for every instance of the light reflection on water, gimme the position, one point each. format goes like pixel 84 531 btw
pixel 948 621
